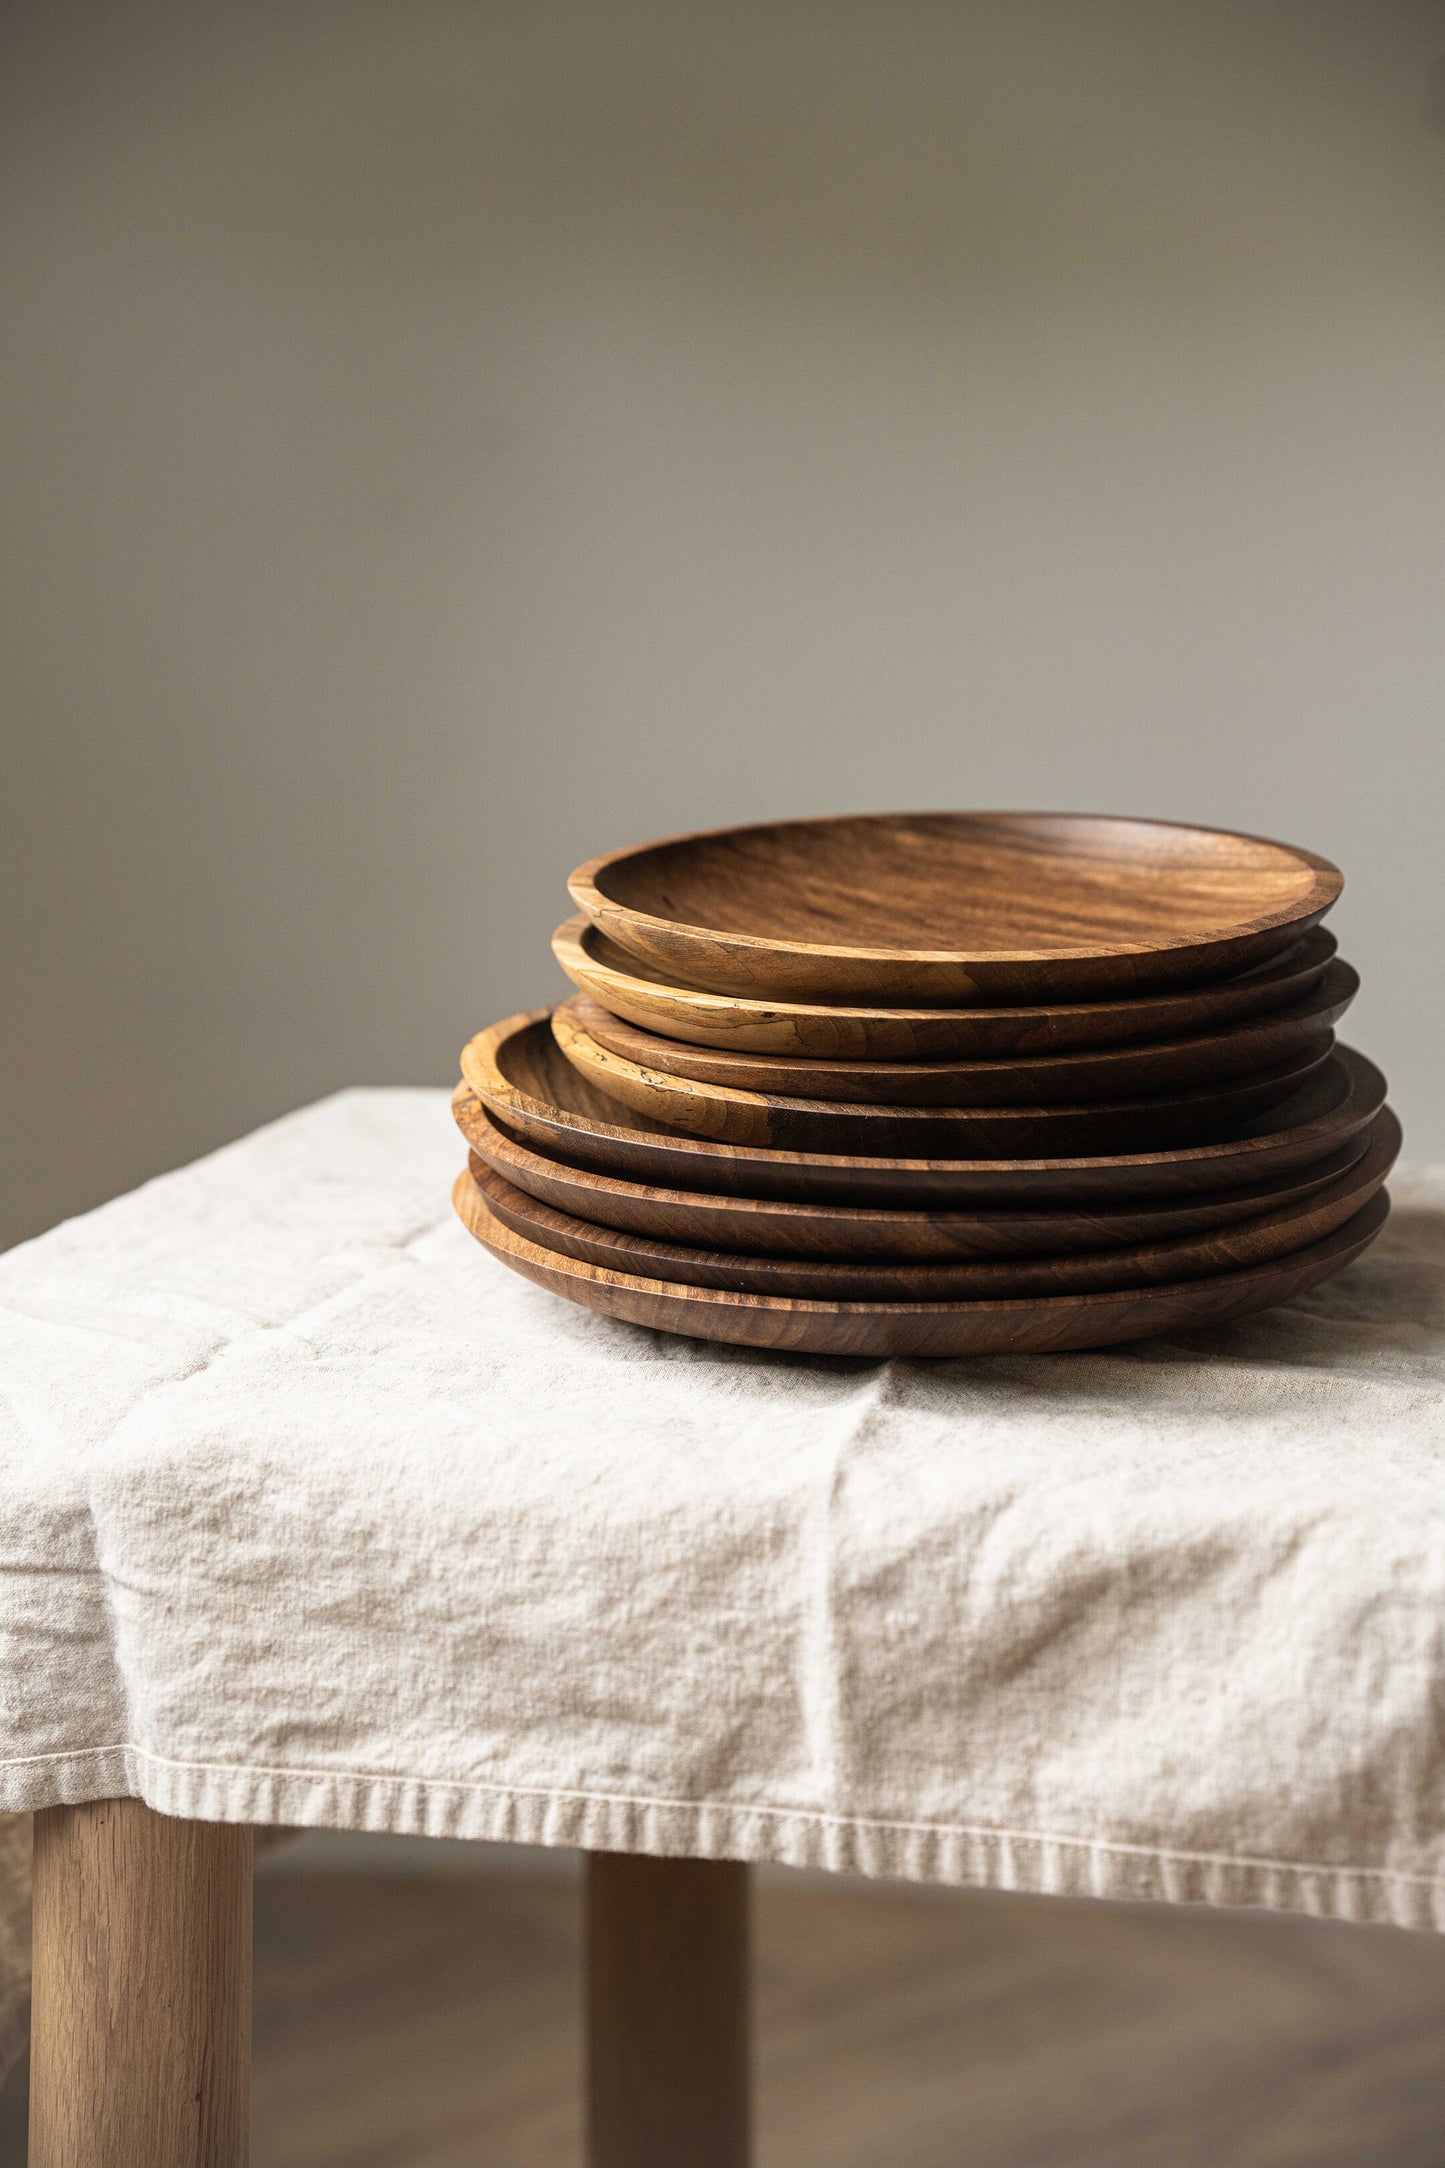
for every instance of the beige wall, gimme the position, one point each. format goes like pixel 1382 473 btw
pixel 449 438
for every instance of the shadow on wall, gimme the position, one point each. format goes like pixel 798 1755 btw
pixel 451 440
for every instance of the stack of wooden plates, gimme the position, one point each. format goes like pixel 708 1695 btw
pixel 942 1084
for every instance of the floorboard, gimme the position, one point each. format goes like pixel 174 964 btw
pixel 431 2021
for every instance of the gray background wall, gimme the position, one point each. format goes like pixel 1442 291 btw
pixel 448 437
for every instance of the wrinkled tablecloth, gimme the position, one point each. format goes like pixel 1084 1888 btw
pixel 311 1513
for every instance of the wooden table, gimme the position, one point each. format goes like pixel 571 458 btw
pixel 141 2049
pixel 1156 1626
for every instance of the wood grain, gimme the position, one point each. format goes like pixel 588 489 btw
pixel 992 1132
pixel 668 2013
pixel 1037 1325
pixel 142 1990
pixel 1020 1080
pixel 1225 1249
pixel 832 1231
pixel 630 988
pixel 414 2019
pixel 519 1073
pixel 955 907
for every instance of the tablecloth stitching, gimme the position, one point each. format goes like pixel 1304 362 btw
pixel 979 1831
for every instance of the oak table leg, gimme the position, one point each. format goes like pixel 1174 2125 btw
pixel 141 2035
pixel 667 2012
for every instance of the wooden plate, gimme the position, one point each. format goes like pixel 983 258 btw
pixel 521 1075
pixel 1113 1072
pixel 1248 1242
pixel 831 1231
pixel 816 1125
pixel 1031 1325
pixel 628 987
pixel 955 907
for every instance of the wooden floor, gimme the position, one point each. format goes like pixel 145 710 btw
pixel 432 2021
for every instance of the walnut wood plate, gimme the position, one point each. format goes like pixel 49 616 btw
pixel 520 1074
pixel 630 987
pixel 955 907
pixel 1104 1073
pixel 1247 1242
pixel 807 1125
pixel 1030 1325
pixel 696 1219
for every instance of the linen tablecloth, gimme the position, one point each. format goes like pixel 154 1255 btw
pixel 311 1513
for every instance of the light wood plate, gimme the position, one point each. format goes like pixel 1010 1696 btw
pixel 1030 1325
pixel 955 907
pixel 630 987
pixel 778 1226
pixel 1001 1132
pixel 1225 1249
pixel 521 1075
pixel 1104 1073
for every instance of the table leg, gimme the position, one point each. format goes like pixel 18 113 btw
pixel 141 2034
pixel 667 2012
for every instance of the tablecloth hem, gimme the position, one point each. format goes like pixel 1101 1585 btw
pixel 953 1854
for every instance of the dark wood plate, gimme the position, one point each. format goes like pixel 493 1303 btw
pixel 521 1075
pixel 997 1132
pixel 1104 1073
pixel 831 1231
pixel 955 907
pixel 629 987
pixel 1037 1324
pixel 1225 1249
